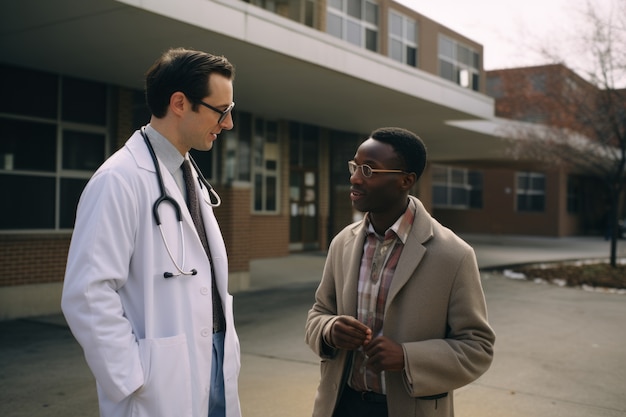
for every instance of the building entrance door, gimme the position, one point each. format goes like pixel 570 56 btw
pixel 303 187
pixel 303 234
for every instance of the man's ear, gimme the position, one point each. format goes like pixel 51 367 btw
pixel 178 102
pixel 408 181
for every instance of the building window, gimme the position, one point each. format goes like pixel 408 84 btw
pixel 494 86
pixel 49 149
pixel 355 21
pixel 265 164
pixel 573 194
pixel 402 39
pixel 531 191
pixel 457 188
pixel 302 11
pixel 459 63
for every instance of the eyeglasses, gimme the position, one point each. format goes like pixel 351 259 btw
pixel 367 170
pixel 223 113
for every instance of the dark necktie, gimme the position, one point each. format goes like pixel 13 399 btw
pixel 194 208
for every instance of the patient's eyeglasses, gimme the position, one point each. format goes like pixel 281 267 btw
pixel 367 170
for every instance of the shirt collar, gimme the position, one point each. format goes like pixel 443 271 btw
pixel 167 153
pixel 401 227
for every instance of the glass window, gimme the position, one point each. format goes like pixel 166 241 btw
pixel 355 21
pixel 354 8
pixel 459 63
pixel 371 42
pixel 84 101
pixel 354 33
pixel 83 151
pixel 28 92
pixel 446 47
pixel 244 147
pixel 494 87
pixel 538 82
pixel 530 191
pixel 446 70
pixel 395 50
pixel 371 13
pixel 395 25
pixel 335 4
pixel 265 166
pixel 27 146
pixel 573 194
pixel 303 145
pixel 411 56
pixel 47 153
pixel 33 205
pixel 403 39
pixel 334 25
pixel 457 187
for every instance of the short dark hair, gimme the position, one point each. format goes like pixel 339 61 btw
pixel 183 70
pixel 407 145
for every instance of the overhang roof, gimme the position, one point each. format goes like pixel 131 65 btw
pixel 284 70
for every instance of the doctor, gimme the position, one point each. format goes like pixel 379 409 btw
pixel 140 303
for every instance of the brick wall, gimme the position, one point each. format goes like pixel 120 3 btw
pixel 33 259
pixel 234 219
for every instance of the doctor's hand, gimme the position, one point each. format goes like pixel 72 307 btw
pixel 349 333
pixel 384 355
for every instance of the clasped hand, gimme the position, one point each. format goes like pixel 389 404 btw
pixel 383 353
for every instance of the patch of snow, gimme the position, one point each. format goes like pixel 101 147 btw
pixel 513 275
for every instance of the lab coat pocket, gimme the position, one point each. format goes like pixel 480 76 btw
pixel 166 390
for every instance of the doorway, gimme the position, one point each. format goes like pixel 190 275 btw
pixel 303 187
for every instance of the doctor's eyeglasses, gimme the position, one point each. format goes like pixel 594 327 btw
pixel 223 113
pixel 367 170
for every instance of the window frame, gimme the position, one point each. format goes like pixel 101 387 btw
pixel 446 179
pixel 346 19
pixel 530 193
pixel 61 178
pixel 459 68
pixel 404 40
pixel 265 152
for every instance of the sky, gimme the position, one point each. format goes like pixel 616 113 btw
pixel 510 30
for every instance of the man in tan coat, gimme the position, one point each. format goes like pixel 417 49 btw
pixel 399 319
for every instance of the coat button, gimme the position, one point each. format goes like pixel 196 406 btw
pixel 206 332
pixel 204 290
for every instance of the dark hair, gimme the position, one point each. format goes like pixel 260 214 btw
pixel 182 70
pixel 407 145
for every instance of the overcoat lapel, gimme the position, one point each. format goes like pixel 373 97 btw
pixel 412 253
pixel 411 256
pixel 353 263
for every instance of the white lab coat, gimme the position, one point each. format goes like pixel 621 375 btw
pixel 147 339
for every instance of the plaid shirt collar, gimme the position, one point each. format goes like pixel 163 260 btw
pixel 401 228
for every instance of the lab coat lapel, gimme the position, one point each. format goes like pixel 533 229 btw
pixel 140 152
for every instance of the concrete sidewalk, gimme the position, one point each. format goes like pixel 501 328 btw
pixel 559 351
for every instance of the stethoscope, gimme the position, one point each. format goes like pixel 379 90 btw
pixel 165 197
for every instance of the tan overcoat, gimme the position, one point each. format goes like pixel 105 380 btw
pixel 435 309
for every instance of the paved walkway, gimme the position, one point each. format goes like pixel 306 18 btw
pixel 559 351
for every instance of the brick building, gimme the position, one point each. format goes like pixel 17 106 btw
pixel 313 78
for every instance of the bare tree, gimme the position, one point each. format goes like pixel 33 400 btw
pixel 579 122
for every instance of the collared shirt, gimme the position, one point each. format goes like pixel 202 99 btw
pixel 378 265
pixel 168 155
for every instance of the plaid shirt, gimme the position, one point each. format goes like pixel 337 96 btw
pixel 378 265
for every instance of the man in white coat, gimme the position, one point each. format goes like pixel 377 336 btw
pixel 149 304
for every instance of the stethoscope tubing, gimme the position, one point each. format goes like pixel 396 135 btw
pixel 165 197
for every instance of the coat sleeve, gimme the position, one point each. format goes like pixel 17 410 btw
pixel 97 267
pixel 325 310
pixel 439 365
